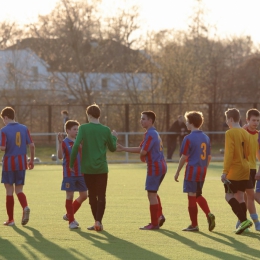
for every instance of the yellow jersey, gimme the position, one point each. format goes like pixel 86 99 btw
pixel 236 164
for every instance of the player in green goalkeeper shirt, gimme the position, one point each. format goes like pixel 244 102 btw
pixel 95 139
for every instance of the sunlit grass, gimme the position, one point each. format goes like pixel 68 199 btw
pixel 47 235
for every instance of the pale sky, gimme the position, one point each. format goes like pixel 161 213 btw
pixel 231 17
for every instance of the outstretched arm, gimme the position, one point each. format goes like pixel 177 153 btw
pixel 121 148
pixel 182 161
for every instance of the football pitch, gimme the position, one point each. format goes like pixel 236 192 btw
pixel 47 235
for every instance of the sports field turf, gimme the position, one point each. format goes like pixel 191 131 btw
pixel 47 235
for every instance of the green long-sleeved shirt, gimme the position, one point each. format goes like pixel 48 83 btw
pixel 95 139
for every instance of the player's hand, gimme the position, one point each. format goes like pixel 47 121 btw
pixel 114 133
pixel 71 169
pixel 176 177
pixel 245 126
pixel 30 165
pixel 223 177
pixel 60 137
pixel 142 158
pixel 119 148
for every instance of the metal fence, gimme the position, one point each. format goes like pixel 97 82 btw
pixel 46 153
pixel 122 117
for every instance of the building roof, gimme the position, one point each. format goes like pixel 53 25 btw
pixel 105 56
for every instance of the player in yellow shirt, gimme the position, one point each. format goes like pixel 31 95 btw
pixel 257 177
pixel 253 119
pixel 236 170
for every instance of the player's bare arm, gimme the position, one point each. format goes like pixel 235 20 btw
pixel 2 148
pixel 32 153
pixel 143 153
pixel 121 148
pixel 209 159
pixel 182 161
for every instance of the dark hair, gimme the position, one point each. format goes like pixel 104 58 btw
pixel 70 123
pixel 252 112
pixel 195 117
pixel 150 114
pixel 9 112
pixel 93 110
pixel 234 113
pixel 64 112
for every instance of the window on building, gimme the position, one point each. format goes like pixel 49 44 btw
pixel 35 73
pixel 104 83
pixel 10 71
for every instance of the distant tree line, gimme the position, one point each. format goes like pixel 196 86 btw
pixel 183 66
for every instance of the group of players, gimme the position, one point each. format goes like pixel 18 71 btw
pixel 85 168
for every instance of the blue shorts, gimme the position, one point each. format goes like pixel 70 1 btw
pixel 153 182
pixel 193 186
pixel 13 177
pixel 257 188
pixel 74 183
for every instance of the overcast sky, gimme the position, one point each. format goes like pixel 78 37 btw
pixel 231 17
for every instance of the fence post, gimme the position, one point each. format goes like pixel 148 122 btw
pixel 126 145
pixel 167 116
pixel 126 117
pixel 49 120
pixel 57 146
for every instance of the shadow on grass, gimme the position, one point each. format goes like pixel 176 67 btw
pixel 236 244
pixel 203 248
pixel 9 251
pixel 118 247
pixel 44 246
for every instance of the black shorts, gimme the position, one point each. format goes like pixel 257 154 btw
pixel 235 186
pixel 251 182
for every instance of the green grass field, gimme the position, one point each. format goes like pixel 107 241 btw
pixel 47 235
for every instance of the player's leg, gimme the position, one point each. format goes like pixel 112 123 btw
pixel 9 204
pixel 8 180
pixel 251 207
pixel 69 208
pixel 68 185
pixel 152 185
pixel 90 180
pixel 80 186
pixel 101 200
pixel 19 183
pixel 202 202
pixel 250 194
pixel 153 206
pixel 190 187
pixel 237 205
pixel 160 216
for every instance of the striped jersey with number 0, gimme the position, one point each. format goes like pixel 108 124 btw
pixel 15 137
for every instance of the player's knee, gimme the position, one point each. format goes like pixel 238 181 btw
pixel 198 194
pixel 83 196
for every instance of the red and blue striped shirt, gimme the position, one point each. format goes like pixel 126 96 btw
pixel 15 137
pixel 196 146
pixel 154 158
pixel 66 150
